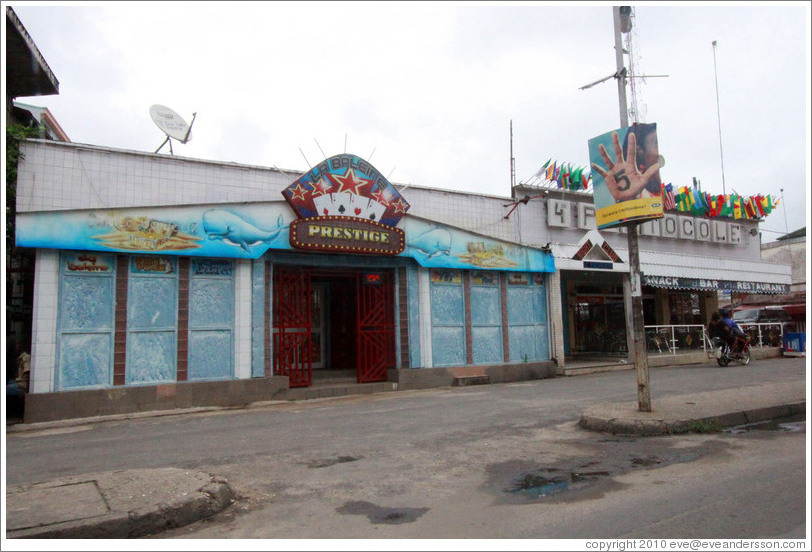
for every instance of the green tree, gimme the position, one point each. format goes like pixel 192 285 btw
pixel 14 135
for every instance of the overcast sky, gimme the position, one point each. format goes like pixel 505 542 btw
pixel 427 91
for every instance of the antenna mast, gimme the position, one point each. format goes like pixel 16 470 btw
pixel 512 161
pixel 718 118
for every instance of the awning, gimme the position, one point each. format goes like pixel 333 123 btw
pixel 710 284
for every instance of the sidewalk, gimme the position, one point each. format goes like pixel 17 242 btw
pixel 686 413
pixel 135 503
pixel 121 504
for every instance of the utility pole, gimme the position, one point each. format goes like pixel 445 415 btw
pixel 623 24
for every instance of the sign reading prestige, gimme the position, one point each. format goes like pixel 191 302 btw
pixel 346 235
pixel 345 205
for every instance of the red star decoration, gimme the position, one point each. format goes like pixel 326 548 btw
pixel 351 183
pixel 399 206
pixel 322 187
pixel 299 191
pixel 380 196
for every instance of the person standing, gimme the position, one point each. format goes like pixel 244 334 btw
pixel 11 354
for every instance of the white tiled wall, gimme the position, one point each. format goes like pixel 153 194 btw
pixel 242 314
pixel 58 176
pixel 43 335
pixel 556 317
pixel 475 213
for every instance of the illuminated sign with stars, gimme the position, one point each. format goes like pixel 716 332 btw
pixel 346 205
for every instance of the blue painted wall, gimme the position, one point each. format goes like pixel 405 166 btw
pixel 85 321
pixel 447 318
pixel 152 308
pixel 211 319
pixel 258 318
pixel 527 320
pixel 486 320
pixel 414 316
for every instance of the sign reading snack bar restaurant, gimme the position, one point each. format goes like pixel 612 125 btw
pixel 345 205
pixel 708 284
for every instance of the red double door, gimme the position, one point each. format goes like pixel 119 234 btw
pixel 371 335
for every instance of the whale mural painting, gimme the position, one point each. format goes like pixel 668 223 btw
pixel 437 245
pixel 234 229
pixel 203 231
pixel 246 231
pixel 431 243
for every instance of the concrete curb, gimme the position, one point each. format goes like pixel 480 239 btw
pixel 596 420
pixel 180 501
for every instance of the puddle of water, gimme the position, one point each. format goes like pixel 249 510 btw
pixel 326 462
pixel 650 461
pixel 588 476
pixel 545 482
pixel 380 514
pixel 789 424
pixel 535 485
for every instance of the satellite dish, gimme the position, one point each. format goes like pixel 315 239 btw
pixel 661 161
pixel 171 124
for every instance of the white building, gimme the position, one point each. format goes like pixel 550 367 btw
pixel 163 281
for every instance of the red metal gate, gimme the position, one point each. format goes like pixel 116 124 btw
pixel 292 325
pixel 376 326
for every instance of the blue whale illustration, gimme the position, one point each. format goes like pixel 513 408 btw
pixel 432 243
pixel 232 229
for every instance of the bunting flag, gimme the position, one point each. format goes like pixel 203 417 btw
pixel 691 199
pixel 767 204
pixel 737 207
pixel 575 178
pixel 543 168
pixel 668 197
pixel 721 201
pixel 760 205
pixel 551 171
pixel 727 207
pixel 685 199
pixel 698 205
pixel 748 208
pixel 712 210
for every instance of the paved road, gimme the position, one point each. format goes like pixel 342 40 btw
pixel 438 463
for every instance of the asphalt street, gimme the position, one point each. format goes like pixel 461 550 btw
pixel 460 462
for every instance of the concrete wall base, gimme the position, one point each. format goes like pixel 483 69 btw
pixel 86 403
pixel 426 378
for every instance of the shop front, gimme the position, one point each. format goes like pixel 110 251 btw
pixel 686 263
pixel 332 278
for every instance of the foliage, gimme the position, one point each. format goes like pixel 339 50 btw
pixel 14 135
pixel 705 426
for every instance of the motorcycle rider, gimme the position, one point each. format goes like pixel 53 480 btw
pixel 739 337
pixel 717 328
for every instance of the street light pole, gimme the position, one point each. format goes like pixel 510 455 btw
pixel 622 21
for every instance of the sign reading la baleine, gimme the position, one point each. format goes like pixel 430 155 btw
pixel 345 205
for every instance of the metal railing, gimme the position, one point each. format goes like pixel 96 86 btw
pixel 765 334
pixel 669 339
pixel 672 339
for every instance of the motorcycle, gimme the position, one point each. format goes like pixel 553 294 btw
pixel 720 350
